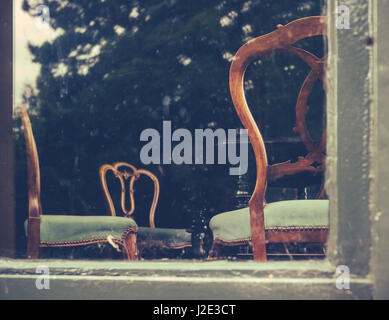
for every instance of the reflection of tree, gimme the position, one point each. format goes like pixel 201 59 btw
pixel 123 66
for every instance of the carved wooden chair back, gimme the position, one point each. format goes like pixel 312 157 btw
pixel 124 171
pixel 314 161
pixel 280 40
pixel 148 238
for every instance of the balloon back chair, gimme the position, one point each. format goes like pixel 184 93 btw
pixel 43 230
pixel 147 237
pixel 289 221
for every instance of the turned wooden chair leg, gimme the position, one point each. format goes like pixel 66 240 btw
pixel 131 247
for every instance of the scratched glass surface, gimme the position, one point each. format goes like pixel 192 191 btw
pixel 95 74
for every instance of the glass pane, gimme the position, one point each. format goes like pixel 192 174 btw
pixel 94 75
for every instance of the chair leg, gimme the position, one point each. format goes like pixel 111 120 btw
pixel 32 251
pixel 131 247
pixel 216 251
pixel 258 238
pixel 213 253
pixel 259 248
pixel 33 239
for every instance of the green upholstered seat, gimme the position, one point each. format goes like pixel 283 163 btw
pixel 163 237
pixel 293 214
pixel 67 228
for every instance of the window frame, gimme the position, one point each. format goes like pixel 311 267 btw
pixel 359 221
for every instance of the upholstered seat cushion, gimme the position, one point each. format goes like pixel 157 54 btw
pixel 67 228
pixel 293 214
pixel 163 237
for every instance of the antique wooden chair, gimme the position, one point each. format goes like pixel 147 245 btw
pixel 291 221
pixel 68 230
pixel 147 237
